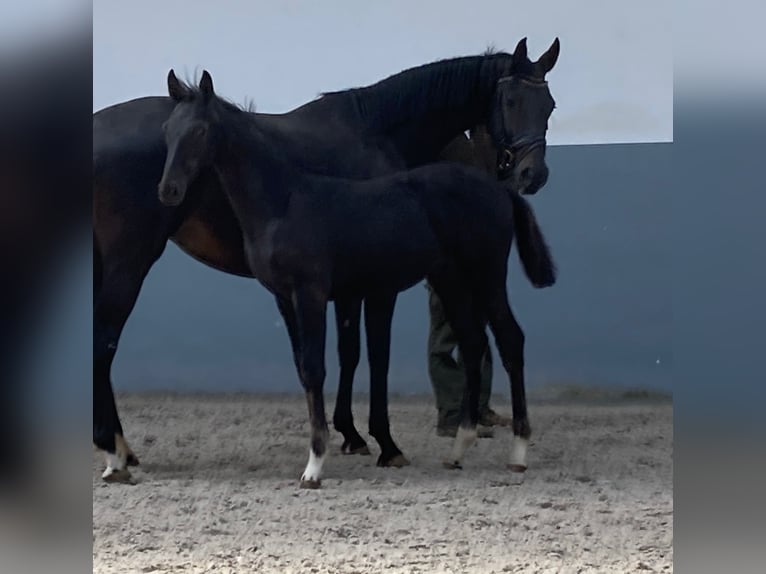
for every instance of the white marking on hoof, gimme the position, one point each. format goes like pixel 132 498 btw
pixel 116 462
pixel 122 447
pixel 519 454
pixel 116 469
pixel 464 438
pixel 313 472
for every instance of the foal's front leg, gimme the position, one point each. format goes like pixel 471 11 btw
pixel 310 328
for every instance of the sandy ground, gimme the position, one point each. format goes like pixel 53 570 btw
pixel 217 491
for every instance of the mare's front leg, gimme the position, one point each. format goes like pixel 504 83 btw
pixel 378 313
pixel 118 281
pixel 347 314
pixel 307 321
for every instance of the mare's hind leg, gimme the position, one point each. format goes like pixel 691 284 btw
pixel 347 313
pixel 118 290
pixel 510 344
pixel 378 312
pixel 308 320
pixel 468 328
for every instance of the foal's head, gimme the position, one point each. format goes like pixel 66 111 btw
pixel 192 136
pixel 518 120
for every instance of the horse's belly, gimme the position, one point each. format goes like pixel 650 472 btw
pixel 384 271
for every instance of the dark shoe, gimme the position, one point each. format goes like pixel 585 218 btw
pixel 490 418
pixel 451 431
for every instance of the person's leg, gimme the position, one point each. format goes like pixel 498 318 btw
pixel 447 379
pixel 486 378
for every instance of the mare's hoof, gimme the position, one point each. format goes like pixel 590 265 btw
pixel 310 484
pixel 452 465
pixel 397 461
pixel 132 460
pixel 348 448
pixel 119 476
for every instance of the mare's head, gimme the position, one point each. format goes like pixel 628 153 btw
pixel 192 135
pixel 518 119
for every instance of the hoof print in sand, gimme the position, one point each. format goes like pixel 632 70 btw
pixel 397 461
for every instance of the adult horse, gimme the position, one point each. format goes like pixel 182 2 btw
pixel 401 122
pixel 310 239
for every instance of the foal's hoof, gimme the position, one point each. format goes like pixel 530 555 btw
pixel 518 472
pixel 132 460
pixel 349 448
pixel 119 476
pixel 452 465
pixel 396 461
pixel 310 484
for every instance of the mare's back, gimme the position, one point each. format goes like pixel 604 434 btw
pixel 134 124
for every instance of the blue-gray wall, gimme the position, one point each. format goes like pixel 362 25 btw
pixel 608 321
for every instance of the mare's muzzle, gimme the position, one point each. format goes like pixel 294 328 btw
pixel 514 164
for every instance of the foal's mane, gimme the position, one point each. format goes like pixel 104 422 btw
pixel 191 87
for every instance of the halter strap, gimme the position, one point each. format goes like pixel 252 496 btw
pixel 530 81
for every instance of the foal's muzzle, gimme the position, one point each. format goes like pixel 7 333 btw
pixel 170 194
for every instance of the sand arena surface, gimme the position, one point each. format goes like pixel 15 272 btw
pixel 217 491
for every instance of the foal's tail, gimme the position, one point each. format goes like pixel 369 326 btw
pixel 533 250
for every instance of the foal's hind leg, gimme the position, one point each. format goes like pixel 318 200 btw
pixel 468 328
pixel 378 312
pixel 347 313
pixel 510 344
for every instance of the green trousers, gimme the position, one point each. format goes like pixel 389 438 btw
pixel 446 371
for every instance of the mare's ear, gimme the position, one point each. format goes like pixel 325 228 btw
pixel 206 86
pixel 520 53
pixel 548 60
pixel 176 89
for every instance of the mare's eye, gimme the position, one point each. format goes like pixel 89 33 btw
pixel 200 131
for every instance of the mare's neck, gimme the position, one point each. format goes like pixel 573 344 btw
pixel 422 109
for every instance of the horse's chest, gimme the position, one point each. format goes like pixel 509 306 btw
pixel 274 259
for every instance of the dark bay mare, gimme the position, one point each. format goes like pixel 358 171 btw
pixel 310 239
pixel 401 122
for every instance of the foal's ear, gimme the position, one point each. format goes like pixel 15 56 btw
pixel 548 60
pixel 176 89
pixel 206 85
pixel 520 53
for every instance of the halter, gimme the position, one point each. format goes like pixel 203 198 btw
pixel 525 143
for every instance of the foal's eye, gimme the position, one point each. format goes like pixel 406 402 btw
pixel 200 131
